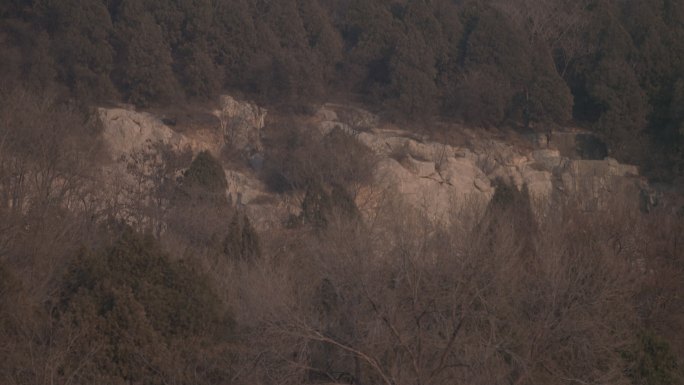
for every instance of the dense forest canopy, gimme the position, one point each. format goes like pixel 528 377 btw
pixel 616 67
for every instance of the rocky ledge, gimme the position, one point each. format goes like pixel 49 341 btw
pixel 433 176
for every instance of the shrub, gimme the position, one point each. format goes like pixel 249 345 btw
pixel 206 173
pixel 651 361
pixel 136 316
pixel 242 241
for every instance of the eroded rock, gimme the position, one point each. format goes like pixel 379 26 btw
pixel 241 124
pixel 434 176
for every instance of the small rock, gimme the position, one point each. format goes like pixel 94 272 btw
pixel 547 159
pixel 417 167
pixel 483 185
pixel 326 114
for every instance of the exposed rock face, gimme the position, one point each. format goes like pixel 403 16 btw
pixel 135 141
pixel 241 124
pixel 438 177
pixel 432 176
pixel 126 131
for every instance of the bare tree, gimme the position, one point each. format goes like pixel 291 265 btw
pixel 559 24
pixel 428 305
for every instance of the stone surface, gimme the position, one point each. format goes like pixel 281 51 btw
pixel 547 159
pixel 419 168
pixel 357 118
pixel 127 131
pixel 241 124
pixel 471 171
pixel 432 176
pixel 134 139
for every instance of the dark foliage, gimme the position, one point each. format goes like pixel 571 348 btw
pixel 137 311
pixel 242 241
pixel 615 67
pixel 205 178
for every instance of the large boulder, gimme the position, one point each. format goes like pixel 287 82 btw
pixel 127 132
pixel 241 124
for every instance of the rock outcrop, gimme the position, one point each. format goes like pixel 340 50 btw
pixel 429 175
pixel 135 141
pixel 126 131
pixel 437 177
pixel 241 124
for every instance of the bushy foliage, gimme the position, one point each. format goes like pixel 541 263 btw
pixel 242 241
pixel 200 209
pixel 141 317
pixel 299 156
pixel 651 361
pixel 205 172
pixel 509 293
pixel 611 66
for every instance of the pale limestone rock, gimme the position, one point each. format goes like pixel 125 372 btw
pixel 435 152
pixel 434 197
pixel 457 170
pixel 326 114
pixel 484 185
pixel 357 118
pixel 326 127
pixel 428 175
pixel 246 187
pixel 518 160
pixel 628 170
pixel 539 183
pixel 126 132
pixel 241 124
pixel 131 136
pixel 422 169
pixel 547 159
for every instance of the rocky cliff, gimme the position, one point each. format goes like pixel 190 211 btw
pixel 433 176
pixel 438 176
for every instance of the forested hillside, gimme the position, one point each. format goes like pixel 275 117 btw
pixel 129 256
pixel 616 67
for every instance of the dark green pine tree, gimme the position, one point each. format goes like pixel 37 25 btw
pixel 610 90
pixel 242 241
pixel 234 37
pixel 81 31
pixel 187 26
pixel 496 66
pixel 414 91
pixel 419 55
pixel 205 180
pixel 144 66
pixel 324 41
pixel 371 31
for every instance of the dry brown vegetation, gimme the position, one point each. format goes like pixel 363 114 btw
pixel 387 297
pixel 405 302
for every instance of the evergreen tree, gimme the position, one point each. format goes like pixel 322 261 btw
pixel 130 314
pixel 205 179
pixel 234 38
pixel 413 89
pixel 198 72
pixel 186 27
pixel 497 66
pixel 242 241
pixel 371 32
pixel 81 32
pixel 607 91
pixel 144 62
pixel 324 40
